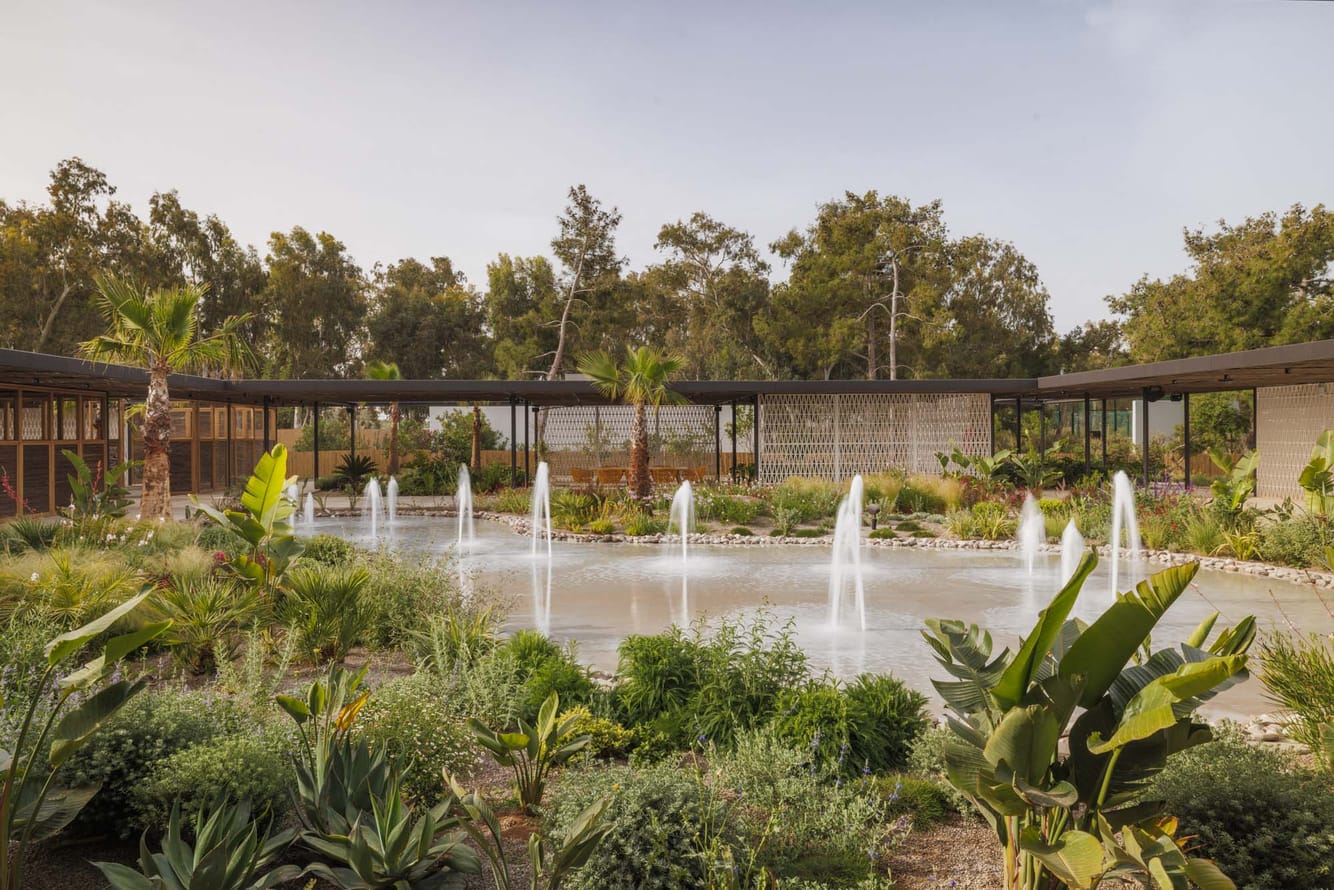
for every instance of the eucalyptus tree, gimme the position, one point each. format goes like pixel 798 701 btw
pixel 158 329
pixel 642 380
pixel 586 246
pixel 387 371
pixel 315 305
pixel 428 320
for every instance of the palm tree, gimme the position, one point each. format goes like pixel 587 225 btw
pixel 158 329
pixel 641 380
pixel 388 371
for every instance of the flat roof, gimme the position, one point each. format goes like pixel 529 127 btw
pixel 1272 366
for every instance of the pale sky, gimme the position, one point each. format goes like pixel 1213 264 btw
pixel 1088 133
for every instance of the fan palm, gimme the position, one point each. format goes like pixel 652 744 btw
pixel 388 371
pixel 158 329
pixel 640 380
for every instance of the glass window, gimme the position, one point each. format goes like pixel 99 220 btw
pixel 93 427
pixel 8 418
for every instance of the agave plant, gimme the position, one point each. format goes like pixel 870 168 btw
pixel 1074 819
pixel 533 751
pixel 230 852
pixel 261 523
pixel 33 805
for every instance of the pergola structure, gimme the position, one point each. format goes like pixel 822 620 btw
pixel 830 427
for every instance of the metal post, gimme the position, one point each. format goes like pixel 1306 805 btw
pixel 1144 396
pixel 527 473
pixel 266 424
pixel 352 430
pixel 315 429
pixel 1254 438
pixel 1018 424
pixel 1104 435
pixel 717 443
pixel 755 434
pixel 514 444
pixel 734 440
pixel 1088 442
pixel 1185 435
pixel 231 452
pixel 1042 429
pixel 991 422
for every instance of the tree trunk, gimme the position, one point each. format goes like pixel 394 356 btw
pixel 640 482
pixel 476 457
pixel 872 370
pixel 393 438
pixel 50 324
pixel 156 499
pixel 894 324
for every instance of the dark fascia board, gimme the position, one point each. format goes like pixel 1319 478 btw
pixel 20 368
pixel 1201 373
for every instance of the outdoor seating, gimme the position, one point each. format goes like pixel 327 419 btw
pixel 581 475
pixel 610 475
pixel 665 474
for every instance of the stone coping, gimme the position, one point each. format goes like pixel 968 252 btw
pixel 521 525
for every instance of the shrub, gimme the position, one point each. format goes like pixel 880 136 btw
pixel 925 801
pixel 400 591
pixel 785 520
pixel 330 550
pixel 206 617
pixel 726 508
pixel 1298 672
pixel 520 674
pixel 692 687
pixel 884 718
pixel 324 605
pixel 454 641
pixel 491 689
pixel 641 524
pixel 514 500
pixel 421 729
pixel 927 758
pixel 882 489
pixel 1266 822
pixel 655 817
pixel 252 766
pixel 882 534
pixel 740 531
pixel 153 727
pixel 815 718
pixel 988 520
pixel 1299 541
pixel 931 494
pixel 601 527
pixel 807 499
pixel 213 538
pixel 606 738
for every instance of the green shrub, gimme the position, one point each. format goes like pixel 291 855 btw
pixel 883 534
pixel 253 766
pixel 741 531
pixel 1298 672
pixel 696 688
pixel 805 499
pixel 420 727
pixel 655 817
pixel 815 718
pixel 514 500
pixel 923 534
pixel 988 520
pixel 155 726
pixel 401 590
pixel 726 508
pixel 641 524
pixel 541 667
pixel 1267 823
pixel 927 758
pixel 492 690
pixel 607 738
pixel 330 550
pixel 324 605
pixel 925 801
pixel 601 527
pixel 808 533
pixel 1299 541
pixel 884 719
pixel 216 539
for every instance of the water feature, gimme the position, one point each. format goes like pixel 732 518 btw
pixel 1032 531
pixel 373 505
pixel 463 506
pixel 608 591
pixel 1123 516
pixel 391 498
pixel 294 493
pixel 541 508
pixel 682 516
pixel 846 564
pixel 309 514
pixel 1072 550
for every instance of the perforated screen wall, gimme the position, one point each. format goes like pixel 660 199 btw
pixel 1288 420
pixel 837 436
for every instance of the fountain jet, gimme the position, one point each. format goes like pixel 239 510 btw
pixel 846 567
pixel 1072 549
pixel 391 498
pixel 541 508
pixel 373 505
pixel 682 516
pixel 309 514
pixel 463 506
pixel 1032 531
pixel 1123 516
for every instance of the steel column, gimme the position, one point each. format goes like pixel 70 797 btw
pixel 717 443
pixel 265 406
pixel 1144 455
pixel 734 440
pixel 1088 442
pixel 1104 436
pixel 1185 436
pixel 315 430
pixel 755 435
pixel 352 430
pixel 514 444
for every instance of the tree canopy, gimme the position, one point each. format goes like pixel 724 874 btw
pixel 874 286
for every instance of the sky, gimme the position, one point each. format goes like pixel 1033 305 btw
pixel 1089 134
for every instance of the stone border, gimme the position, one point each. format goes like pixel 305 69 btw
pixel 520 525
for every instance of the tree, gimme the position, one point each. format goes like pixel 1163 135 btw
pixel 1264 282
pixel 872 269
pixel 586 246
pixel 1092 346
pixel 315 303
pixel 428 320
pixel 642 381
pixel 521 304
pixel 388 371
pixel 195 250
pixel 158 330
pixel 709 290
pixel 49 255
pixel 993 320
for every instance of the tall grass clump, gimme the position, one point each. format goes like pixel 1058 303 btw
pixel 806 498
pixel 1298 674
